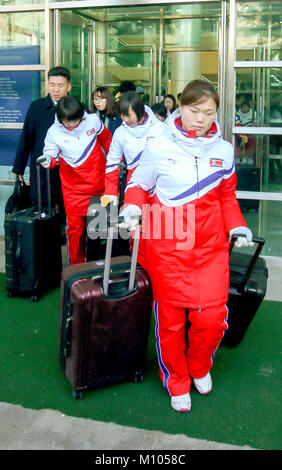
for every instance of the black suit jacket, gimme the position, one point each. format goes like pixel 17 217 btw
pixel 39 118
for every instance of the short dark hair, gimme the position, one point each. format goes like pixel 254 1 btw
pixel 160 109
pixel 127 86
pixel 59 71
pixel 133 99
pixel 69 108
pixel 111 107
pixel 198 91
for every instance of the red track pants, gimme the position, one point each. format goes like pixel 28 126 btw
pixel 178 362
pixel 75 239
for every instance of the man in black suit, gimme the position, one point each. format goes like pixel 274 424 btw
pixel 40 116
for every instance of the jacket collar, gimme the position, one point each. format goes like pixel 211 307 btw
pixel 48 102
pixel 178 133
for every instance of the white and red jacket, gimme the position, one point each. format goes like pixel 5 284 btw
pixel 81 160
pixel 129 142
pixel 192 179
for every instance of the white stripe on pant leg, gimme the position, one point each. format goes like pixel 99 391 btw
pixel 67 240
pixel 158 347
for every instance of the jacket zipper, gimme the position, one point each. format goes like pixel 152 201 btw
pixel 197 172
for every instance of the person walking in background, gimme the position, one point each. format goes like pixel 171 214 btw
pixel 170 103
pixel 188 175
pixel 75 142
pixel 106 109
pixel 123 88
pixel 160 111
pixel 39 118
pixel 138 126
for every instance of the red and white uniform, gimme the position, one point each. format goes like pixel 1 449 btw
pixel 82 171
pixel 193 184
pixel 129 142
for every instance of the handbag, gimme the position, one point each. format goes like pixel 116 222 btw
pixel 20 199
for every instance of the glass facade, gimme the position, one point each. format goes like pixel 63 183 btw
pixel 258 82
pixel 24 28
pixel 161 47
pixel 259 27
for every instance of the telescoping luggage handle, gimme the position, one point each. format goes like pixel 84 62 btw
pixel 260 242
pixel 107 265
pixel 38 161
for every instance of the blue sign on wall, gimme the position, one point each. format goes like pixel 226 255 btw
pixel 17 91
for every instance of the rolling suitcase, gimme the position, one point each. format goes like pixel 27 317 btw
pixel 104 322
pixel 33 249
pixel 247 288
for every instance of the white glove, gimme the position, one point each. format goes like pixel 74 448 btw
pixel 131 217
pixel 47 162
pixel 245 239
pixel 105 200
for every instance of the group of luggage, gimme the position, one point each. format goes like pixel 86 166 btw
pixel 106 303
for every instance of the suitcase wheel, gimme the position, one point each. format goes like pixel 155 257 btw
pixel 138 378
pixel 76 394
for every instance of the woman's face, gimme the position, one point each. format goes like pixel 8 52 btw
pixel 198 116
pixel 131 120
pixel 169 104
pixel 100 102
pixel 72 124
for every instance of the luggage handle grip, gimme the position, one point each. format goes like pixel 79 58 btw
pixel 109 252
pixel 39 160
pixel 260 242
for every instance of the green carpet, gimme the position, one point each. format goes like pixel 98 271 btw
pixel 243 409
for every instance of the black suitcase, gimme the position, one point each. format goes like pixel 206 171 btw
pixel 104 323
pixel 96 237
pixel 248 179
pixel 33 249
pixel 247 289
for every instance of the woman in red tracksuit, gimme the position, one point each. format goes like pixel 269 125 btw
pixel 190 176
pixel 75 142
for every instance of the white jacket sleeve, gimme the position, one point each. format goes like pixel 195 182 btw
pixel 51 147
pixel 145 176
pixel 115 153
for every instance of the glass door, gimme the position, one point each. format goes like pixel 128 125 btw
pixel 256 123
pixel 74 46
pixel 136 65
pixel 125 50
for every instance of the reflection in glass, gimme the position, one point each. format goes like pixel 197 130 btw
pixel 20 2
pixel 260 89
pixel 128 34
pixel 263 152
pixel 266 222
pixel 258 31
pixel 20 29
pixel 192 32
pixel 74 56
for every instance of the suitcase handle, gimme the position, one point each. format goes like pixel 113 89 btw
pixel 38 161
pixel 109 253
pixel 260 242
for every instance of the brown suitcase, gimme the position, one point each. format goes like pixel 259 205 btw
pixel 105 318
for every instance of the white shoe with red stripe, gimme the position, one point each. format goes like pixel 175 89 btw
pixel 204 385
pixel 181 403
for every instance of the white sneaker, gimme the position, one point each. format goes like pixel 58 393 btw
pixel 181 403
pixel 204 385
